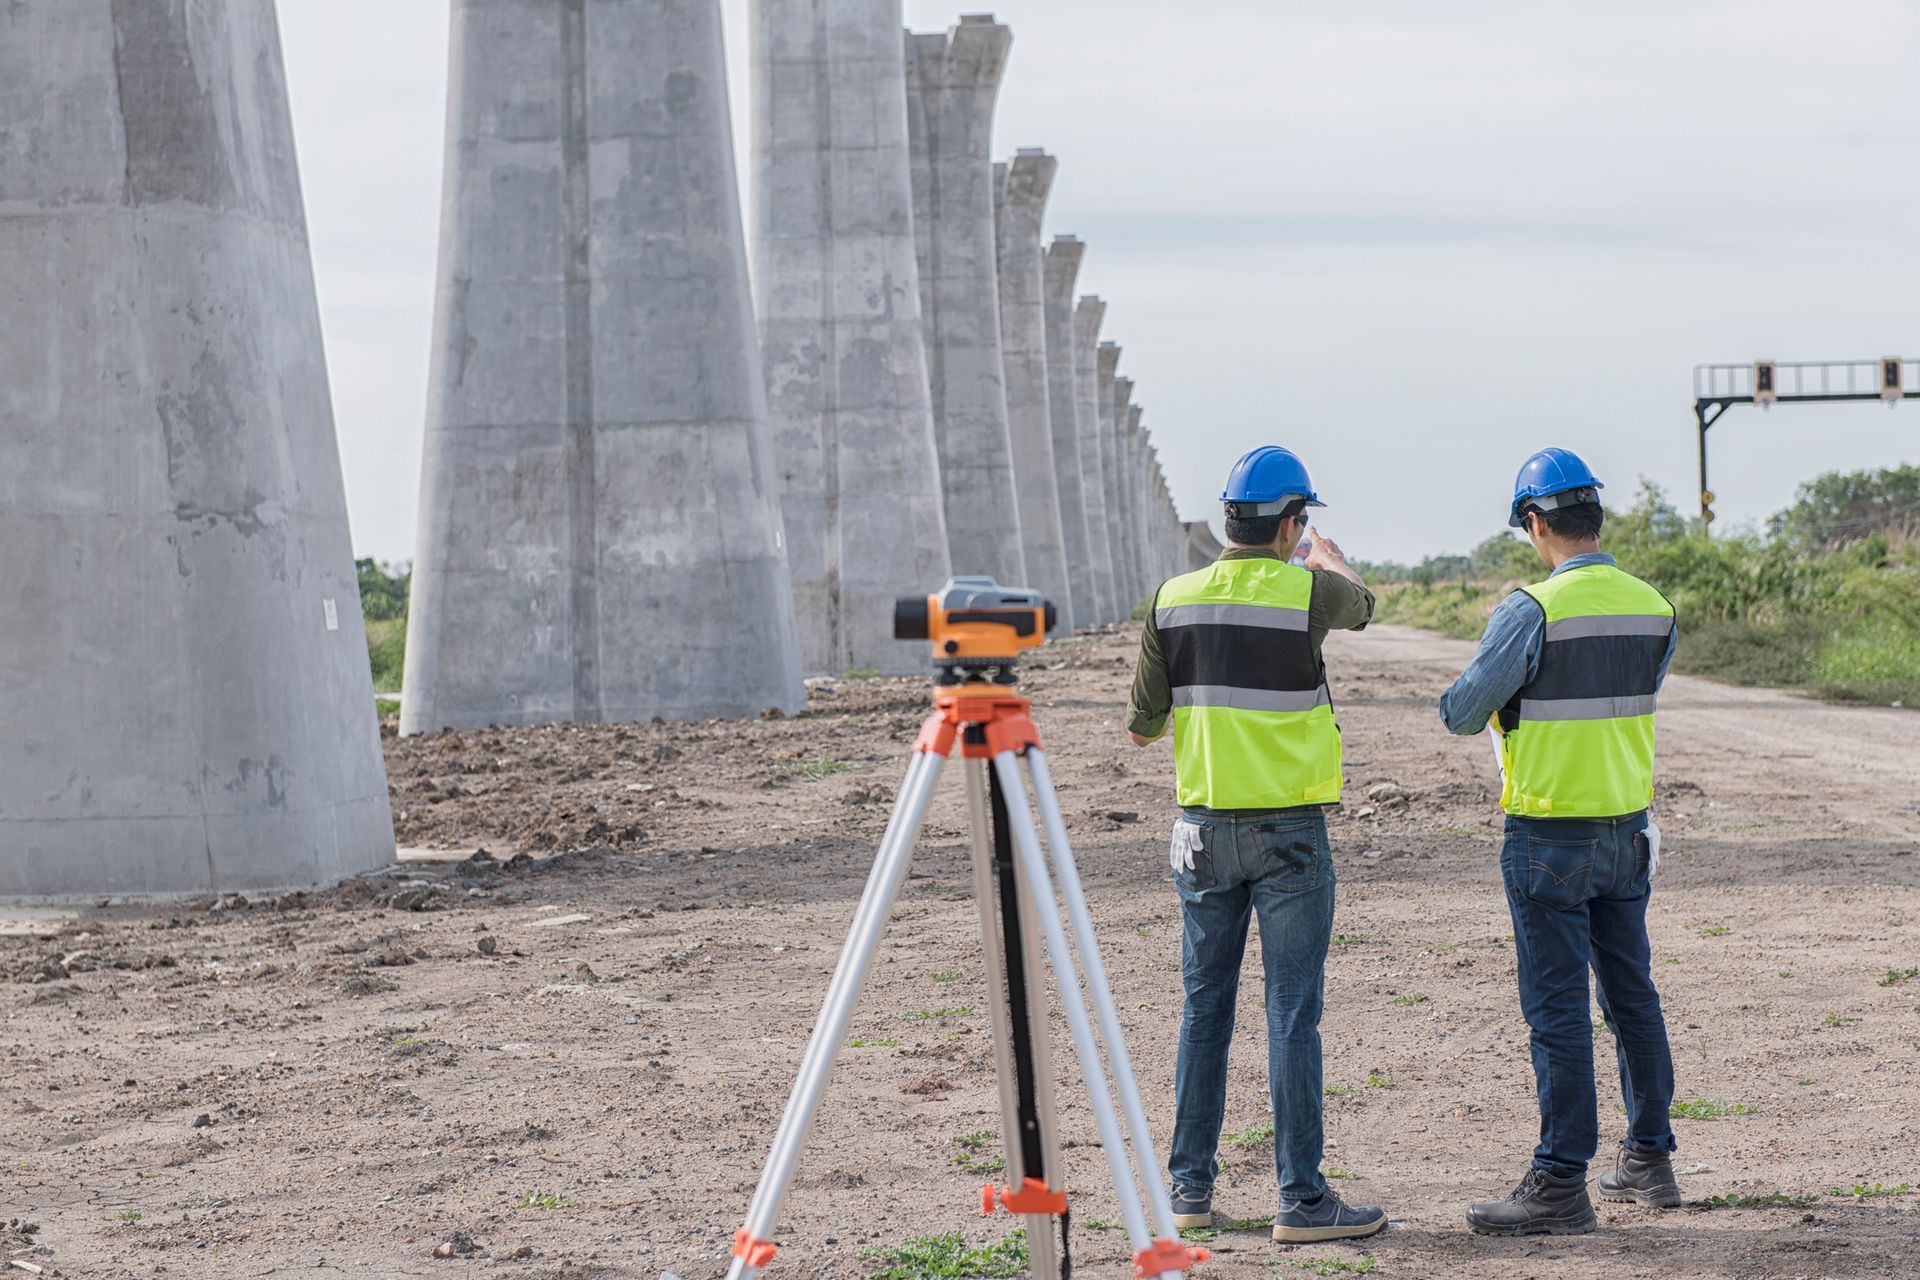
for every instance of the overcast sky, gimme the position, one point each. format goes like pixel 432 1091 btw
pixel 1412 242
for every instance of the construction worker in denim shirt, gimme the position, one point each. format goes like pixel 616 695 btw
pixel 1230 659
pixel 1567 674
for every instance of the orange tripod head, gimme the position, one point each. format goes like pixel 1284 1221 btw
pixel 976 622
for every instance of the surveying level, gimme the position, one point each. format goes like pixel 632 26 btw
pixel 977 629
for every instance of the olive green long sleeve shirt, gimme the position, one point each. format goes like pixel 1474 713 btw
pixel 1337 604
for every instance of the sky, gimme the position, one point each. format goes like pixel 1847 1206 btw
pixel 1412 242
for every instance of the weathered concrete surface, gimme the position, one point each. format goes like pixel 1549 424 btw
pixel 1021 187
pixel 599 522
pixel 839 304
pixel 1146 533
pixel 1126 538
pixel 1087 316
pixel 1062 273
pixel 953 79
pixel 1202 547
pixel 185 702
pixel 1106 368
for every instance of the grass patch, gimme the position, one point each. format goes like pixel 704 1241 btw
pixel 1898 975
pixel 1714 931
pixel 1339 1090
pixel 1199 1235
pixel 1805 1080
pixel 1341 1173
pixel 1248 1224
pixel 1347 939
pixel 1333 1266
pixel 1871 1191
pixel 970 1158
pixel 1382 1080
pixel 1876 661
pixel 872 1044
pixel 1839 1019
pixel 1410 999
pixel 387 652
pixel 1708 1109
pixel 1251 1136
pixel 547 1200
pixel 824 767
pixel 950 1257
pixel 1771 1200
pixel 957 1011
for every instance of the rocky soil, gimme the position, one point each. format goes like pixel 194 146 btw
pixel 555 1041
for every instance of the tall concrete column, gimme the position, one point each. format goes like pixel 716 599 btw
pixel 1147 536
pixel 1124 473
pixel 839 304
pixel 1021 188
pixel 185 701
pixel 1062 273
pixel 1202 547
pixel 599 522
pixel 953 79
pixel 1106 366
pixel 1087 315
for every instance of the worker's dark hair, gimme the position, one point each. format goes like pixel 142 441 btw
pixel 1260 531
pixel 1575 523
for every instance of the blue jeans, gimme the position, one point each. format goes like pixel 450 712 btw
pixel 1275 865
pixel 1578 890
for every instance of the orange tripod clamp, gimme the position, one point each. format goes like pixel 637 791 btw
pixel 757 1252
pixel 1033 1197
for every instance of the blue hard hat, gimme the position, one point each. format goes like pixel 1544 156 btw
pixel 1267 481
pixel 1549 480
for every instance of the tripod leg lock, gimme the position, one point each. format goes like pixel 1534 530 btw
pixel 1033 1197
pixel 1163 1256
pixel 757 1252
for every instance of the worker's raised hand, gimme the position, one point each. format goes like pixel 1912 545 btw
pixel 1325 552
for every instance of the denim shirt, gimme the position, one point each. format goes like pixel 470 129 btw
pixel 1509 657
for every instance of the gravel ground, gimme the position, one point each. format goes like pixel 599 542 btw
pixel 564 1056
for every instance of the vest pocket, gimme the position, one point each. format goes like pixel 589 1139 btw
pixel 1560 872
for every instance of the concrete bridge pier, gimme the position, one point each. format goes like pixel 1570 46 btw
pixel 1062 273
pixel 1087 317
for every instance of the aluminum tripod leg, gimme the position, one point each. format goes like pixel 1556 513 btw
pixel 1026 840
pixel 1101 993
pixel 1006 1006
pixel 830 1031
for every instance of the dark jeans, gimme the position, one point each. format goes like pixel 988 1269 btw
pixel 1276 866
pixel 1578 890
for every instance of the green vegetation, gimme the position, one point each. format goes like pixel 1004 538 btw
pixel 1772 1200
pixel 950 1257
pixel 1899 975
pixel 1199 1235
pixel 1333 1266
pixel 824 767
pixel 1871 1191
pixel 383 600
pixel 1339 1090
pixel 547 1200
pixel 871 1044
pixel 1381 1080
pixel 959 1010
pixel 1827 600
pixel 1715 931
pixel 1347 939
pixel 1410 999
pixel 1708 1109
pixel 1804 1080
pixel 1252 1136
pixel 1839 1020
pixel 971 1145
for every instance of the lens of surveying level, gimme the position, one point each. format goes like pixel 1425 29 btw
pixel 1053 615
pixel 910 619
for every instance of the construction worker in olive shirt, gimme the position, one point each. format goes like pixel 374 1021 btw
pixel 1568 673
pixel 1230 657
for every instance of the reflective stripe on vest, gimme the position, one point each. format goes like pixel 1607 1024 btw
pixel 1580 740
pixel 1252 719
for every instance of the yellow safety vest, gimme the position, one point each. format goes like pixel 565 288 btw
pixel 1252 719
pixel 1579 741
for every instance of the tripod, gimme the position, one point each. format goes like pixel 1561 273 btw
pixel 995 730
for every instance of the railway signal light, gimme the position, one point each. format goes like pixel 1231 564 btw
pixel 1706 506
pixel 1891 383
pixel 1764 393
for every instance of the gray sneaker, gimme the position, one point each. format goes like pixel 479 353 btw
pixel 1328 1218
pixel 1192 1208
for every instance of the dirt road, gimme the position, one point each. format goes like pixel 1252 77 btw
pixel 569 1065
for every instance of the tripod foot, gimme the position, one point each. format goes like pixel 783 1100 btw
pixel 1164 1256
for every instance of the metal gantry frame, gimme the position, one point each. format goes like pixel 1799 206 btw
pixel 1718 387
